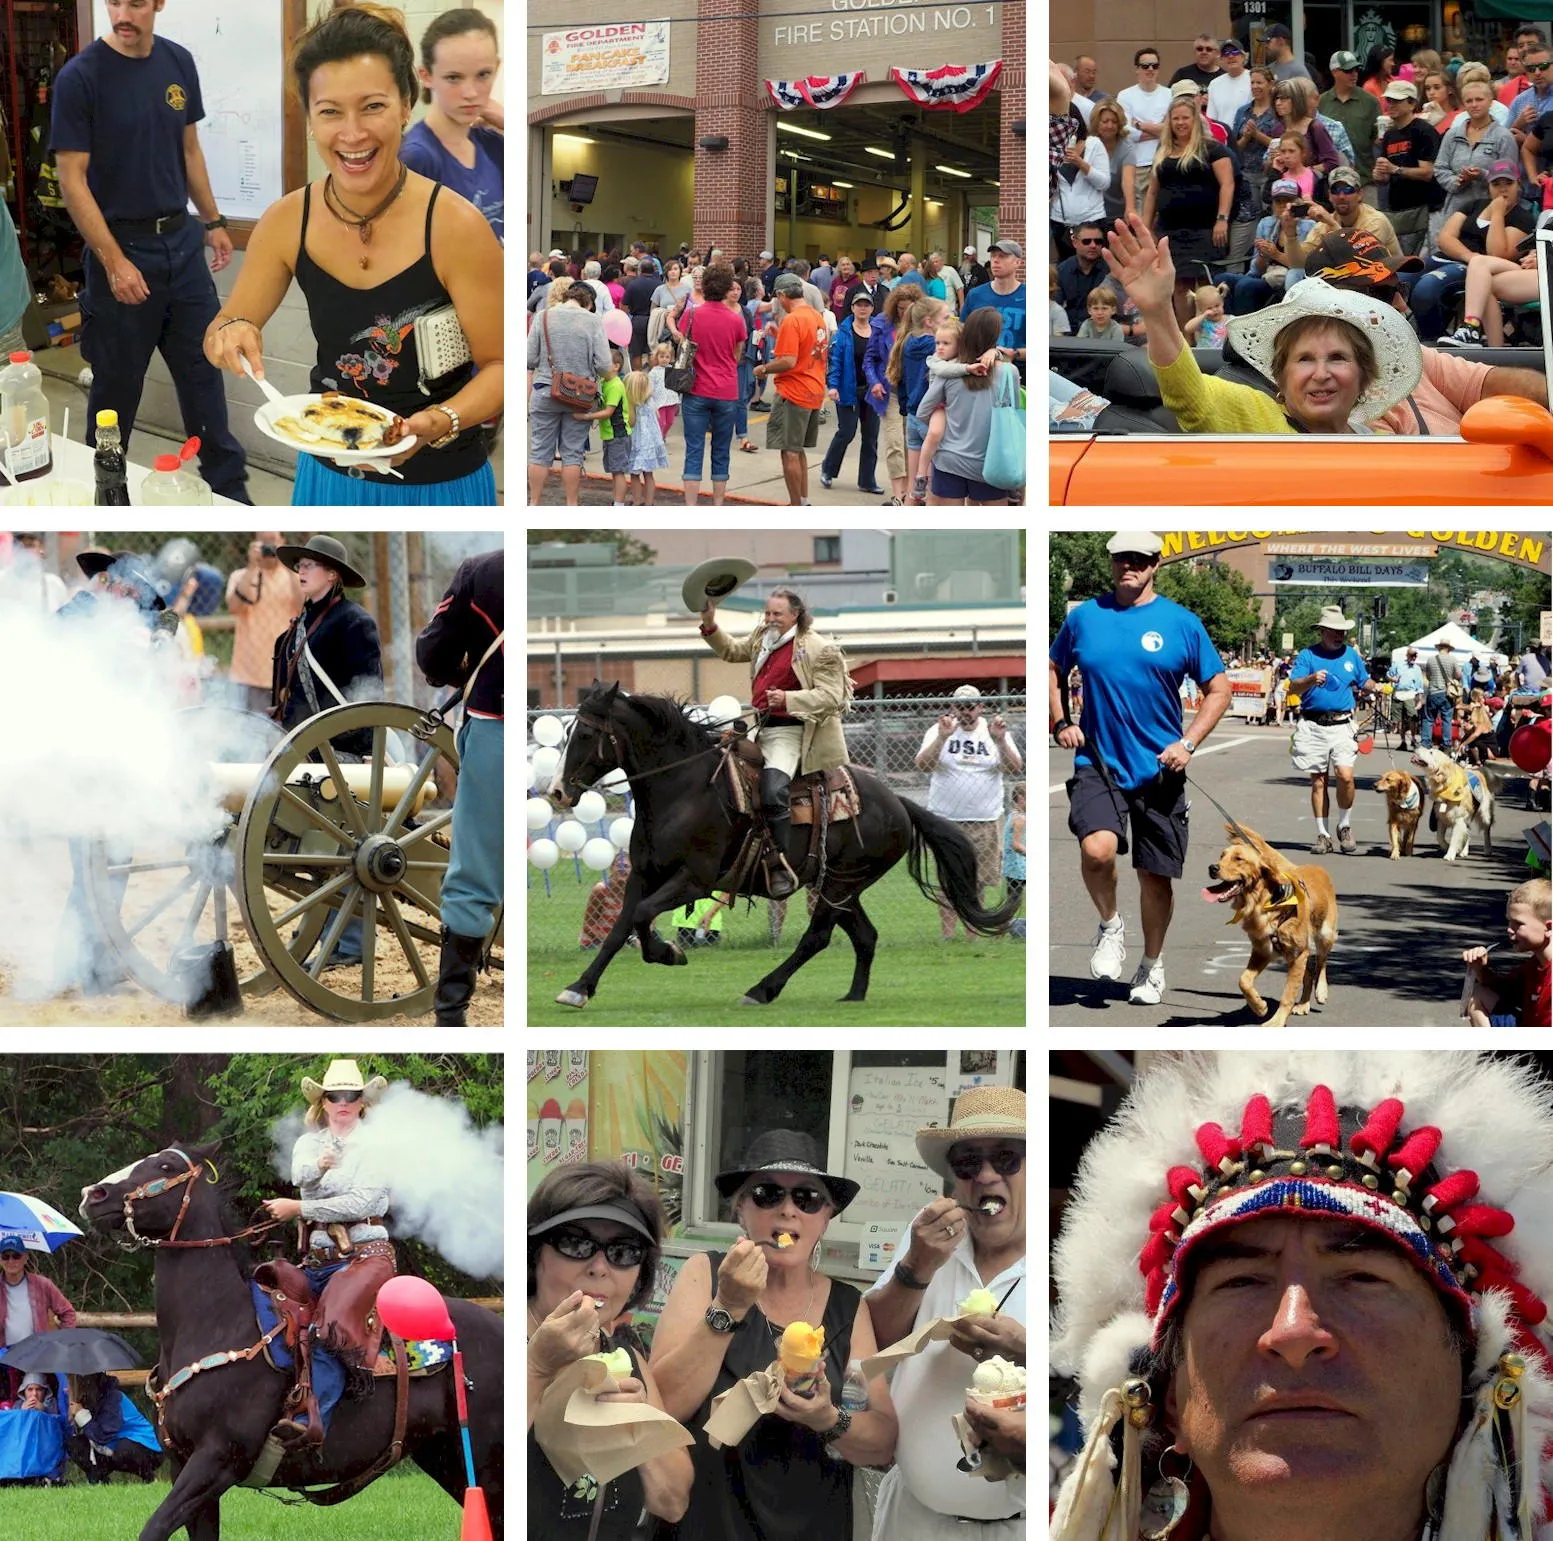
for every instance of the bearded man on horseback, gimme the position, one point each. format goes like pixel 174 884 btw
pixel 349 1256
pixel 799 687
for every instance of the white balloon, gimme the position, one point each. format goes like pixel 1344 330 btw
pixel 540 813
pixel 548 731
pixel 723 709
pixel 546 763
pixel 571 837
pixel 620 833
pixel 590 807
pixel 528 773
pixel 598 854
pixel 543 854
pixel 615 781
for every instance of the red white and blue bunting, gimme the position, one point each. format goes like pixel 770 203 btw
pixel 814 90
pixel 950 88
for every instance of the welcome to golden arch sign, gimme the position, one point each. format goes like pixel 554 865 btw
pixel 1519 547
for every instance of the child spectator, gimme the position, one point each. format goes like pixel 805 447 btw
pixel 700 924
pixel 1288 158
pixel 1102 323
pixel 1014 843
pixel 649 454
pixel 907 371
pixel 613 415
pixel 1517 996
pixel 664 401
pixel 1208 327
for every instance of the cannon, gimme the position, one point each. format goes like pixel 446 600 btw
pixel 306 839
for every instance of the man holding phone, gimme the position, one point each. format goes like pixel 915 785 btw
pixel 1349 213
pixel 263 597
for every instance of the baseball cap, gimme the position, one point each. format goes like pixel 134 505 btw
pixel 1008 248
pixel 970 251
pixel 555 251
pixel 1278 30
pixel 1144 542
pixel 1400 90
pixel 11 1243
pixel 768 256
pixel 1504 171
pixel 788 283
pixel 1343 60
pixel 1185 88
pixel 1344 176
pixel 862 297
pixel 1230 46
pixel 966 693
pixel 1284 188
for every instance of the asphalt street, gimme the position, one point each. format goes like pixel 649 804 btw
pixel 1402 925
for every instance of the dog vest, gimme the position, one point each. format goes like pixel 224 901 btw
pixel 1463 786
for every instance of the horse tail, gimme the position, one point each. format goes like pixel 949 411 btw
pixel 956 886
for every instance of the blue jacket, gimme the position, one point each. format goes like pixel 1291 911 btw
pixel 841 375
pixel 914 377
pixel 875 360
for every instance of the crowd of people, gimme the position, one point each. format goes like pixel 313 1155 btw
pixel 596 1231
pixel 1239 203
pixel 898 356
pixel 396 248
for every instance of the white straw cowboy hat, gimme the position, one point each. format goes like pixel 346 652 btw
pixel 1333 619
pixel 1398 360
pixel 715 579
pixel 982 1113
pixel 344 1075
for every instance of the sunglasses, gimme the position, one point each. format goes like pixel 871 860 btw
pixel 809 1200
pixel 1205 48
pixel 1005 1161
pixel 11 1257
pixel 1537 69
pixel 579 1246
pixel 1089 240
pixel 342 1096
pixel 1149 64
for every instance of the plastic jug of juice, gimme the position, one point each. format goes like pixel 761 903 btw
pixel 171 483
pixel 26 412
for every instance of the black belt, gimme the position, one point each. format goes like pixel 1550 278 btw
pixel 1328 719
pixel 162 224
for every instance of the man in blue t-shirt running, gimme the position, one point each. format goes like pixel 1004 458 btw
pixel 1326 678
pixel 1133 648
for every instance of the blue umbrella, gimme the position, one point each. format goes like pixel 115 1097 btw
pixel 41 1227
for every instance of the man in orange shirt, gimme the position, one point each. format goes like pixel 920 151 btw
pixel 263 597
pixel 798 362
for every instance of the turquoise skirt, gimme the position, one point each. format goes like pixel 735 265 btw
pixel 320 485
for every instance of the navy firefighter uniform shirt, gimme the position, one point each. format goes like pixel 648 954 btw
pixel 129 115
pixel 1133 662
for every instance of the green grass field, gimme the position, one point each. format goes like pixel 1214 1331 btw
pixel 403 1503
pixel 918 980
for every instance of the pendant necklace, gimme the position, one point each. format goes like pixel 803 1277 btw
pixel 771 1326
pixel 360 223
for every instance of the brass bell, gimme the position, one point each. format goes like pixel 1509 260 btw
pixel 1512 1365
pixel 1136 1393
pixel 1507 1394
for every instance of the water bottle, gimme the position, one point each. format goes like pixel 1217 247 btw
pixel 854 1398
pixel 169 483
pixel 26 412
pixel 112 483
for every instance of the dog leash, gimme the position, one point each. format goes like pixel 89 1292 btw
pixel 1222 809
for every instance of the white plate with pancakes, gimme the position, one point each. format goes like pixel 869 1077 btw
pixel 343 429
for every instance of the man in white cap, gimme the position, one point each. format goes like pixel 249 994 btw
pixel 1326 678
pixel 1133 649
pixel 973 1239
pixel 965 757
pixel 972 270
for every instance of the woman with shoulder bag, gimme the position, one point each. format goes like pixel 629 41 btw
pixel 710 396
pixel 568 354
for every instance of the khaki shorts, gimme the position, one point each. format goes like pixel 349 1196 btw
pixel 792 427
pixel 1318 747
pixel 986 837
pixel 892 440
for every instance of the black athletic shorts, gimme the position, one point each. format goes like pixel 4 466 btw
pixel 1157 812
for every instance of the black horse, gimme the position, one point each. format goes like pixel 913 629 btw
pixel 215 1423
pixel 688 834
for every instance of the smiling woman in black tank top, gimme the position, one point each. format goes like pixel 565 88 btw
pixel 373 247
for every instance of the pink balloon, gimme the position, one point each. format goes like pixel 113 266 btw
pixel 617 328
pixel 412 1308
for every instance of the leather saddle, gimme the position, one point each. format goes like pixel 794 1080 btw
pixel 291 1297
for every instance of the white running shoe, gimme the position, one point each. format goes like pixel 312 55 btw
pixel 1105 962
pixel 1148 985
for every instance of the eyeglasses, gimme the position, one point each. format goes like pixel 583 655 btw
pixel 1148 64
pixel 1089 240
pixel 10 1257
pixel 809 1200
pixel 1205 48
pixel 1537 69
pixel 579 1246
pixel 342 1097
pixel 1005 1160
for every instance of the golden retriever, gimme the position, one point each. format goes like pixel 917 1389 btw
pixel 1463 797
pixel 1285 910
pixel 1404 808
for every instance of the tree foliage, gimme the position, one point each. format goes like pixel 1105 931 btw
pixel 1221 598
pixel 1080 569
pixel 629 550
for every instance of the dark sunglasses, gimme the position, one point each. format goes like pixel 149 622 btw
pixel 1205 48
pixel 579 1246
pixel 1089 240
pixel 342 1096
pixel 809 1200
pixel 1149 64
pixel 11 1257
pixel 1005 1161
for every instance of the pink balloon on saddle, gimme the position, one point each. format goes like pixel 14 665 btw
pixel 411 1308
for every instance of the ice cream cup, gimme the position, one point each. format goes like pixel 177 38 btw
pixel 803 1382
pixel 1005 1401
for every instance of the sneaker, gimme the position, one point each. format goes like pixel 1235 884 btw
pixel 760 406
pixel 1105 962
pixel 877 492
pixel 825 480
pixel 1465 336
pixel 1346 840
pixel 1323 846
pixel 1148 985
pixel 892 503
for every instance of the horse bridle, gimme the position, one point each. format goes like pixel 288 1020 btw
pixel 604 727
pixel 160 1185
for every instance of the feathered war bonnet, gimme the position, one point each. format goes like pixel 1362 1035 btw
pixel 1449 1154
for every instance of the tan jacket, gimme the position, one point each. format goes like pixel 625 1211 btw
pixel 821 670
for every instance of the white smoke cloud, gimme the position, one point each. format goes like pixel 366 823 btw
pixel 444 1174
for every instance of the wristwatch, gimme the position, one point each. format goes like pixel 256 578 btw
pixel 904 1277
pixel 1060 726
pixel 452 432
pixel 1188 746
pixel 218 223
pixel 720 1320
pixel 838 1429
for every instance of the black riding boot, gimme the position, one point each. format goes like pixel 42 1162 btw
pixel 456 977
pixel 780 880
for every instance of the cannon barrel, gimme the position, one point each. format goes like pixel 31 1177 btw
pixel 235 783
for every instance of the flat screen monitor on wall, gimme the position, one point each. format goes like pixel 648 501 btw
pixel 583 186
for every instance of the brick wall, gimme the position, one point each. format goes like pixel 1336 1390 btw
pixel 733 186
pixel 1011 107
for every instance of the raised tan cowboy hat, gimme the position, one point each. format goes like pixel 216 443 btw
pixel 344 1075
pixel 982 1113
pixel 326 549
pixel 716 579
pixel 1333 619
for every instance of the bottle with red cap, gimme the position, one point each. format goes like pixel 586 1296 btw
pixel 25 410
pixel 171 482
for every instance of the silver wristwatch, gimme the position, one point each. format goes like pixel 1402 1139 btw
pixel 720 1320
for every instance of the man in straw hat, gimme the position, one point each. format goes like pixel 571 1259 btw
pixel 974 1238
pixel 1303 1295
pixel 798 684
pixel 1326 678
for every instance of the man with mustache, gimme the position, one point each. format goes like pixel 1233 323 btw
pixel 1306 1295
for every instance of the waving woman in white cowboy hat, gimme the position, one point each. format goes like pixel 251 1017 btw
pixel 349 1256
pixel 1339 360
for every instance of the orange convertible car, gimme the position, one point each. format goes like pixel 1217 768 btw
pixel 1504 454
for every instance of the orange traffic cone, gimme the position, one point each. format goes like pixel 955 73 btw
pixel 477 1523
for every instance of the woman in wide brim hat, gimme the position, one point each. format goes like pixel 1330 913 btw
pixel 725 1320
pixel 1338 360
pixel 327 551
